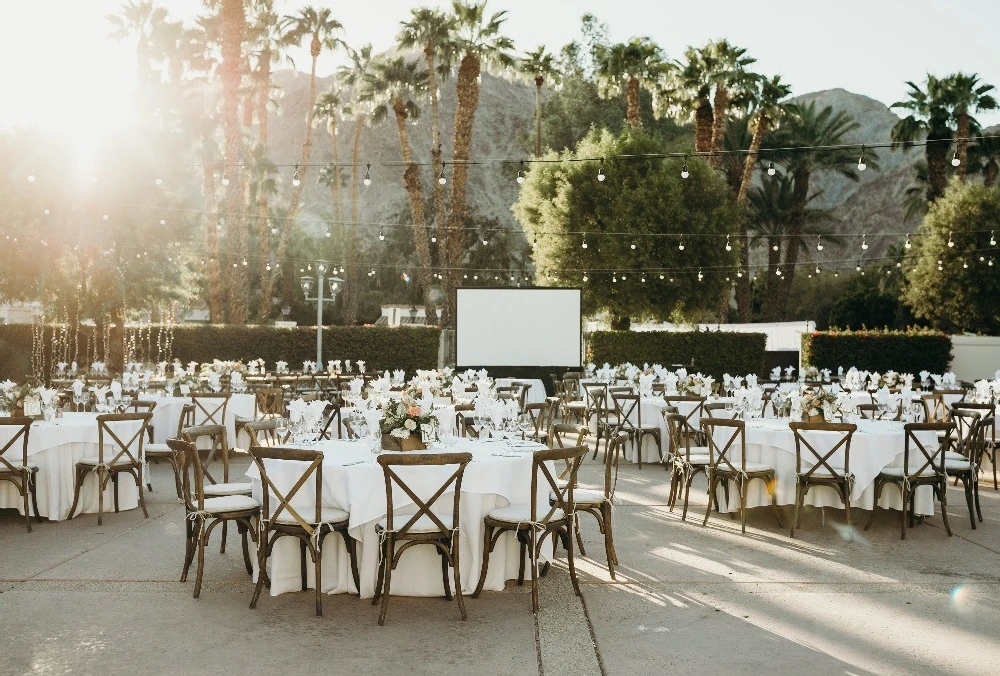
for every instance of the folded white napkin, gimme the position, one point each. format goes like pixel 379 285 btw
pixel 116 389
pixel 949 379
pixel 361 366
pixel 192 368
pixel 297 409
pixel 789 370
pixel 235 378
pixel 101 392
pixel 281 366
pixel 61 366
pixel 356 385
pixel 399 375
pixel 74 367
pixel 347 365
pixel 78 386
pixel 925 376
pixel 47 394
pixel 751 380
pixel 776 373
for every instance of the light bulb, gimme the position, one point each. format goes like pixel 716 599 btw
pixel 225 179
pixel 993 239
pixel 680 245
pixel 600 171
pixel 31 176
pixel 951 243
pixel 296 178
pixel 485 241
pixel 441 177
pixel 520 173
pixel 907 245
pixel 328 233
pixel 643 280
pixel 368 179
pixel 770 169
pixel 614 278
pixel 774 248
pixel 274 230
pixel 381 236
pixel 684 171
pixel 739 273
pixel 583 245
pixel 244 262
pixel 778 272
pixel 661 276
pixel 585 278
pixel 632 246
pixel 864 242
pixel 700 276
pixel 954 159
pixel 862 165
pixel 857 268
pixel 819 243
pixel 434 239
pixel 965 265
pixel 817 269
pixel 729 247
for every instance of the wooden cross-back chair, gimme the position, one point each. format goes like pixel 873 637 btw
pixel 524 388
pixel 263 433
pixel 962 462
pixel 424 526
pixel 204 513
pixel 567 435
pixel 686 461
pixel 599 503
pixel 332 420
pixel 989 449
pixel 533 522
pixel 628 411
pixel 159 452
pixel 463 423
pixel 925 468
pixel 20 472
pixel 823 468
pixel 309 526
pixel 541 420
pixel 724 467
pixel 694 415
pixel 114 457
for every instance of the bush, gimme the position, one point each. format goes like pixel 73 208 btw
pixel 712 352
pixel 910 351
pixel 381 348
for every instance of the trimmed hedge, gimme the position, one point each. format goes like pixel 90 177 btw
pixel 910 351
pixel 380 347
pixel 713 352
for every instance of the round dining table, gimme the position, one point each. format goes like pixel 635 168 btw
pixel 499 475
pixel 168 412
pixel 55 447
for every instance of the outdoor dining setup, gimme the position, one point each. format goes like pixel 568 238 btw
pixel 482 471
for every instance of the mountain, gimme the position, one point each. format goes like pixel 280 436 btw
pixel 503 129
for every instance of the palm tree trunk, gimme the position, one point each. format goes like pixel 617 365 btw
pixel 415 194
pixel 465 115
pixel 703 121
pixel 338 198
pixel 538 116
pixel 744 297
pixel 751 160
pixel 990 172
pixel 215 307
pixel 719 111
pixel 962 145
pixel 230 71
pixel 439 211
pixel 937 163
pixel 632 103
pixel 773 283
pixel 263 208
pixel 352 289
pixel 792 243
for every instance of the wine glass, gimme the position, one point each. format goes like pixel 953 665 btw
pixel 525 424
pixel 126 401
pixel 281 429
pixel 478 425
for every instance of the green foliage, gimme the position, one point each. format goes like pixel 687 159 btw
pixel 563 197
pixel 957 298
pixel 381 348
pixel 711 352
pixel 867 300
pixel 909 351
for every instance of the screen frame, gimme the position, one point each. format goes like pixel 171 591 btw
pixel 579 352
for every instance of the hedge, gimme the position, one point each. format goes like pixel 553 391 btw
pixel 712 352
pixel 910 351
pixel 408 348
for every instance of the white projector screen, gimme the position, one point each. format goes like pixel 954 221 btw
pixel 517 327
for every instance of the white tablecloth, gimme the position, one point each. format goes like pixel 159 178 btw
pixel 876 445
pixel 56 447
pixel 168 411
pixel 490 481
pixel 536 393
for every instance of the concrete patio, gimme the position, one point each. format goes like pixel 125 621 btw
pixel 75 597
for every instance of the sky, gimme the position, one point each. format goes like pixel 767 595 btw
pixel 62 73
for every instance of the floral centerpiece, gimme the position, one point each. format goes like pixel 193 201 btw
pixel 691 384
pixel 811 373
pixel 405 425
pixel 816 404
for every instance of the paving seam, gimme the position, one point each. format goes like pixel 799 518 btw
pixel 593 635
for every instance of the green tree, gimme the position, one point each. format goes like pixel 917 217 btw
pixel 929 119
pixel 733 85
pixel 539 67
pixel 687 94
pixel 965 93
pixel 644 199
pixel 630 67
pixel 957 288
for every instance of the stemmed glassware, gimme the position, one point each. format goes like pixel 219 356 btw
pixel 525 424
pixel 281 429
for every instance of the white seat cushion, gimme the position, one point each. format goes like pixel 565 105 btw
pixel 157 449
pixel 824 473
pixel 696 459
pixel 520 513
pixel 582 496
pixel 230 503
pixel 750 467
pixel 327 515
pixel 424 524
pixel 955 464
pixel 898 472
pixel 954 455
pixel 96 461
pixel 18 468
pixel 233 488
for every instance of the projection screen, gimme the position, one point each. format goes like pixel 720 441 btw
pixel 517 327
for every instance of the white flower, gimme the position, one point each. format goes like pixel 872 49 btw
pixel 400 433
pixel 410 424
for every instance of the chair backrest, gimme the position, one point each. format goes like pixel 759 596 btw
pixel 986 411
pixel 694 403
pixel 390 461
pixel 967 432
pixel 216 434
pixel 122 451
pixel 562 433
pixel 263 433
pixel 523 388
pixel 210 408
pixel 835 461
pixel 627 409
pixel 723 455
pixel 462 423
pixel 678 429
pixel 269 402
pixel 573 456
pixel 192 476
pixel 301 465
pixel 332 418
pixel 868 411
pixel 925 460
pixel 710 409
pixel 142 406
pixel 23 427
pixel 186 418
pixel 596 396
pixel 614 451
pixel 540 416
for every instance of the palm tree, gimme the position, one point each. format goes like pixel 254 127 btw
pixel 686 94
pixel 732 85
pixel 141 19
pixel 929 119
pixel 233 25
pixel 396 84
pixel 964 94
pixel 630 67
pixel 803 125
pixel 352 77
pixel 767 110
pixel 321 29
pixel 430 30
pixel 329 109
pixel 479 41
pixel 984 158
pixel 540 67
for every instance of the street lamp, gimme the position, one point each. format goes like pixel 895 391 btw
pixel 320 283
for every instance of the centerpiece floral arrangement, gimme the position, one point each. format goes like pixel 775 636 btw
pixel 816 403
pixel 811 373
pixel 403 420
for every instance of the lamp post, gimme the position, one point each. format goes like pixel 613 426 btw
pixel 320 283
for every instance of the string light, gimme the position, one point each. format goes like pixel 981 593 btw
pixel 778 272
pixel 864 242
pixel 862 165
pixel 31 176
pixel 680 244
pixel 774 247
pixel 600 171
pixel 368 178
pixel 632 246
pixel 274 230
pixel 819 242
pixel 643 278
pixel 684 169
pixel 907 245
pixel 485 241
pixel 520 174
pixel 770 169
pixel 954 159
pixel 225 179
pixel 296 178
pixel 857 268
pixel 965 265
pixel 585 278
pixel 434 239
pixel 328 233
pixel 993 239
pixel 381 235
pixel 940 266
pixel 583 245
pixel 614 277
pixel 441 177
pixel 951 242
pixel 817 270
pixel 729 247
pixel 700 276
pixel 661 276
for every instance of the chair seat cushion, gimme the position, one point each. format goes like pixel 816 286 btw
pixel 962 465
pixel 96 461
pixel 424 524
pixel 233 488
pixel 898 472
pixel 230 503
pixel 696 458
pixel 954 455
pixel 750 467
pixel 330 515
pixel 520 513
pixel 156 450
pixel 18 468
pixel 582 496
pixel 823 473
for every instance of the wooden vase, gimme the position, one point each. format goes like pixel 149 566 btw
pixel 410 443
pixel 816 418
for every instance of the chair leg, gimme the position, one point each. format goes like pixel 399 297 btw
pixel 944 507
pixel 570 558
pixel 689 479
pixel 672 497
pixel 33 481
pixel 609 541
pixel 975 492
pixel 225 536
pixel 202 544
pixel 520 568
pixel 77 483
pixel 795 512
pixel 534 571
pixel 389 548
pixel 352 552
pixel 458 578
pixel 878 492
pixel 24 490
pixel 138 485
pixel 579 541
pixel 262 552
pixel 743 506
pixel 101 485
pixel 772 488
pixel 381 573
pixel 967 487
pixel 711 493
pixel 302 564
pixel 846 497
pixel 487 539
pixel 244 530
pixel 114 484
pixel 902 520
pixel 190 546
pixel 444 575
pixel 318 581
